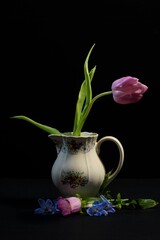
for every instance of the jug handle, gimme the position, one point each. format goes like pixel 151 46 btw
pixel 121 155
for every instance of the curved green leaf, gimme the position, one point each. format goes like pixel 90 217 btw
pixel 85 94
pixel 45 128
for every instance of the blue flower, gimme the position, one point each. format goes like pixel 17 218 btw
pixel 100 208
pixel 47 207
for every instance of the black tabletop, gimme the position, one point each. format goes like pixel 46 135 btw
pixel 18 199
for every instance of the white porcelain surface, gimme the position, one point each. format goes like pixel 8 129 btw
pixel 78 168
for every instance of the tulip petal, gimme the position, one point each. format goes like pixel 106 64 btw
pixel 128 90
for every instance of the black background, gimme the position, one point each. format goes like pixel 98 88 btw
pixel 44 45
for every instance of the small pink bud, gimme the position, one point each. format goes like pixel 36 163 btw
pixel 69 205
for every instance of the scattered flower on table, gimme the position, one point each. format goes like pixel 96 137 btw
pixel 68 205
pixel 100 208
pixel 47 207
pixel 92 206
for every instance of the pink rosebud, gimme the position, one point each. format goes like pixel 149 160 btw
pixel 128 90
pixel 69 205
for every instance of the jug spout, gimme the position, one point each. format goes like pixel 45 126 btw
pixel 58 141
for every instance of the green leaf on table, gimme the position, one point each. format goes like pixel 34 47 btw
pixel 147 203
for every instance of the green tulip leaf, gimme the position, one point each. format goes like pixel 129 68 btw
pixel 85 95
pixel 45 128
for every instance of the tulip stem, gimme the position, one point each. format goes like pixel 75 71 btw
pixel 84 116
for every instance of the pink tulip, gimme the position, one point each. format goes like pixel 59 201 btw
pixel 128 90
pixel 69 205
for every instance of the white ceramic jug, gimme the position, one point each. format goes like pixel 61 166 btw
pixel 78 168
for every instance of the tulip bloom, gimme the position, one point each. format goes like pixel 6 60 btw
pixel 124 90
pixel 69 205
pixel 128 90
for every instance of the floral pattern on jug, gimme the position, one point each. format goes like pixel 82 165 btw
pixel 74 179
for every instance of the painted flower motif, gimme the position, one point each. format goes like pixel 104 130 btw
pixel 74 179
pixel 47 207
pixel 100 208
pixel 69 205
pixel 128 90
